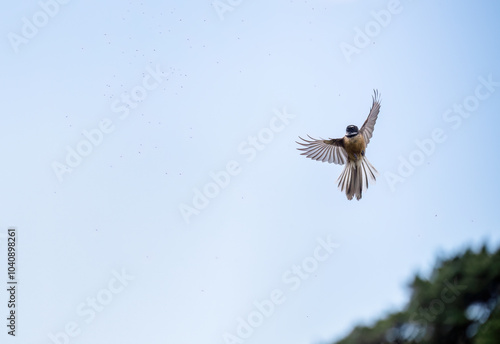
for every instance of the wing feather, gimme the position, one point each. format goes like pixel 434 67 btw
pixel 331 151
pixel 367 128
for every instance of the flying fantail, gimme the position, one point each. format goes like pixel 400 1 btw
pixel 349 150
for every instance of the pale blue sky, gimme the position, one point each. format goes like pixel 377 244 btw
pixel 207 86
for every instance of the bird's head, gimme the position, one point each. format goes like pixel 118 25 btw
pixel 351 131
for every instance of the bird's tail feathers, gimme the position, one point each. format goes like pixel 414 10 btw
pixel 355 176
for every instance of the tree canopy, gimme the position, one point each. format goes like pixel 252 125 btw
pixel 457 304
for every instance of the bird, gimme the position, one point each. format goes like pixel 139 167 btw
pixel 349 150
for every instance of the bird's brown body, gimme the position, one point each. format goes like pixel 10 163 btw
pixel 348 150
pixel 355 147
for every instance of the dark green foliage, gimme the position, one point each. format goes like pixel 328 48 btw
pixel 458 304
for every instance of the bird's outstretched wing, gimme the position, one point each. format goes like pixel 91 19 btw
pixel 324 150
pixel 367 128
